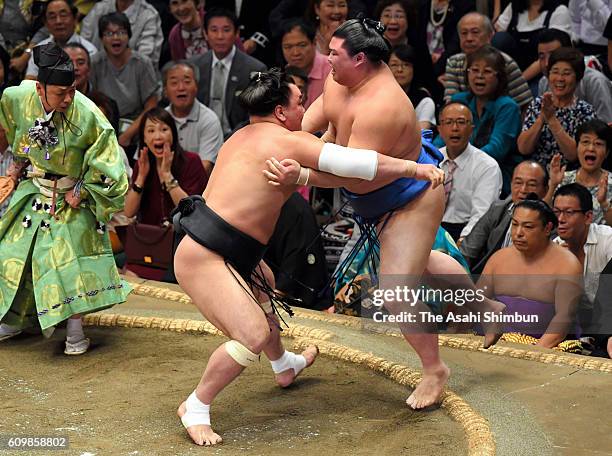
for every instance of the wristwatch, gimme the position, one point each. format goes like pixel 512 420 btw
pixel 137 188
pixel 170 184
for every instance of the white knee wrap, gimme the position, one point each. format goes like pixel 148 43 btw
pixel 348 162
pixel 240 353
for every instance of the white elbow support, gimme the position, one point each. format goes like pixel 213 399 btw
pixel 240 353
pixel 348 161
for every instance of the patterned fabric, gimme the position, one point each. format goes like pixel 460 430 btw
pixel 448 184
pixel 5 162
pixel 598 216
pixel 52 267
pixel 570 118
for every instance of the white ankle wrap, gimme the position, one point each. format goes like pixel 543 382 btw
pixel 240 353
pixel 196 412
pixel 348 162
pixel 289 360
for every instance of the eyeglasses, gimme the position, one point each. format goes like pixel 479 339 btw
pixel 461 122
pixel 487 72
pixel 400 66
pixel 117 33
pixel 567 212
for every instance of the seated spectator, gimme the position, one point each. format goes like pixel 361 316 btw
pixel 296 257
pixel 254 31
pixel 146 36
pixel 492 231
pixel 400 19
pixel 497 118
pixel 326 16
pixel 16 25
pixel 589 242
pixel 162 176
pixel 475 31
pixel 588 23
pixel 551 121
pixel 124 75
pixel 438 21
pixel 594 142
pixel 535 277
pixel 299 51
pixel 594 87
pixel 473 179
pixel 403 66
pixel 521 22
pixel 198 127
pixel 224 70
pixel 187 38
pixel 60 20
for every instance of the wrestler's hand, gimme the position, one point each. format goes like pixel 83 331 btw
pixel 285 172
pixel 74 201
pixel 431 173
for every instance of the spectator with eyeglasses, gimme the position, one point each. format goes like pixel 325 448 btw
pixel 401 27
pixel 124 75
pixel 403 66
pixel 590 242
pixel 496 116
pixel 594 139
pixel 552 119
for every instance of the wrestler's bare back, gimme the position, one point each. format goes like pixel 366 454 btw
pixel 239 192
pixel 379 102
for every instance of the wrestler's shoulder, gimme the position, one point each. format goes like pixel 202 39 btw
pixel 564 260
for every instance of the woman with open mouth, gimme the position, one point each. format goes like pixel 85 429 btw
pixel 327 16
pixel 594 140
pixel 552 120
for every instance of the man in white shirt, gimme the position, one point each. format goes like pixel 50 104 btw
pixel 473 178
pixel 199 129
pixel 589 19
pixel 60 19
pixel 589 242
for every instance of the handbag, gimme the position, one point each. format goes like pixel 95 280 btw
pixel 150 245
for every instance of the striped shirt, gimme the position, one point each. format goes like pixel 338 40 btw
pixel 455 79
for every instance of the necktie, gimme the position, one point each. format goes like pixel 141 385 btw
pixel 448 182
pixel 218 86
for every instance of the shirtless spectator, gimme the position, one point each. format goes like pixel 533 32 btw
pixel 535 276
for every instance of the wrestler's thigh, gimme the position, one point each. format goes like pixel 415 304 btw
pixel 221 295
pixel 407 238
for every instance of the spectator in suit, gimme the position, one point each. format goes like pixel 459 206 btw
pixel 224 70
pixel 473 179
pixel 594 87
pixel 299 50
pixel 199 129
pixel 147 36
pixel 475 31
pixel 492 231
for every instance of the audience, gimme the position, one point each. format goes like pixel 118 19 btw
pixel 535 276
pixel 473 179
pixel 403 64
pixel 594 87
pixel 146 35
pixel 60 20
pixel 327 16
pixel 199 129
pixel 187 38
pixel 475 31
pixel 492 231
pixel 124 75
pixel 588 23
pixel 224 69
pixel 594 140
pixel 162 176
pixel 496 117
pixel 552 119
pixel 299 51
pixel 590 243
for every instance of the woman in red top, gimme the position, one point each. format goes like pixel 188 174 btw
pixel 162 176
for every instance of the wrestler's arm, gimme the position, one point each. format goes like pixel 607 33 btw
pixel 568 291
pixel 314 119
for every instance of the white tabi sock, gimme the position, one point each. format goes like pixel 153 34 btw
pixel 74 330
pixel 196 412
pixel 289 360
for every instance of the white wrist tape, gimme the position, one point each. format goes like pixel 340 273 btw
pixel 348 161
pixel 304 176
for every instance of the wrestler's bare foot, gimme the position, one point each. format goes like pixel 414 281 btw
pixel 201 434
pixel 286 378
pixel 494 329
pixel 430 387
